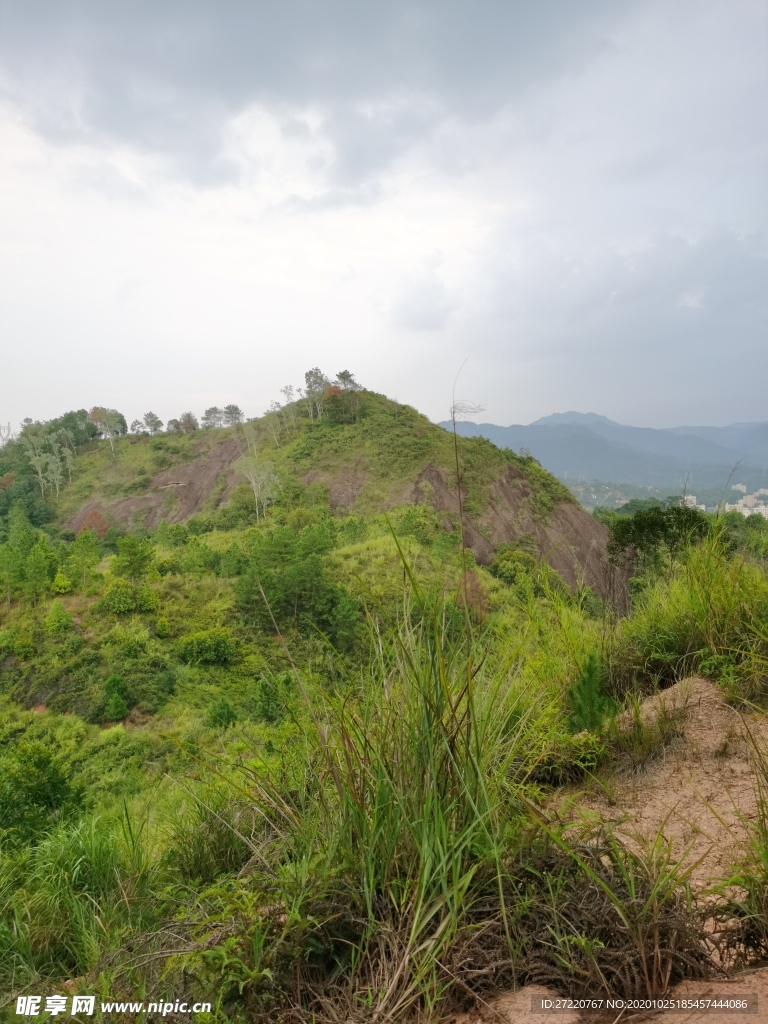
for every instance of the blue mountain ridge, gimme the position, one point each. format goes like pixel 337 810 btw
pixel 587 446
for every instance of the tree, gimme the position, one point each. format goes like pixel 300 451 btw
pixel 213 418
pixel 188 423
pixel 135 557
pixel 11 570
pixel 84 555
pixel 289 408
pixel 316 384
pixel 54 468
pixel 137 427
pixel 274 422
pixel 109 422
pixel 173 427
pixel 36 572
pixel 262 478
pixel 152 422
pixel 116 699
pixel 34 448
pixel 346 381
pixel 233 414
pixel 671 526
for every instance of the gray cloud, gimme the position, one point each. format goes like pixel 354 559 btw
pixel 571 194
pixel 166 76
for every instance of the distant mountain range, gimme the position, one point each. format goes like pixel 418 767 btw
pixel 588 447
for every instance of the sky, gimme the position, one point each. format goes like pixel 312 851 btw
pixel 563 203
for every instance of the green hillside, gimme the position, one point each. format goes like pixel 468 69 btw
pixel 272 735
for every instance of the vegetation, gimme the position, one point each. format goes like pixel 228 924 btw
pixel 306 760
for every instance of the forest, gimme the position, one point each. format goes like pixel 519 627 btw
pixel 290 723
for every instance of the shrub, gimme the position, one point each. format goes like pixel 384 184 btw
pixel 146 599
pixel 220 714
pixel 589 705
pixel 420 521
pixel 33 788
pixel 169 566
pixel 200 524
pixel 271 698
pixel 116 699
pixel 208 646
pixel 511 567
pixel 61 585
pixel 162 628
pixel 24 646
pixel 58 619
pixel 119 597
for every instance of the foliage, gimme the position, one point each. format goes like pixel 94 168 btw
pixel 116 699
pixel 654 527
pixel 220 714
pixel 589 704
pixel 34 791
pixel 58 619
pixel 214 646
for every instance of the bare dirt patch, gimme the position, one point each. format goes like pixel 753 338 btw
pixel 344 488
pixel 699 789
pixel 174 494
pixel 515 1007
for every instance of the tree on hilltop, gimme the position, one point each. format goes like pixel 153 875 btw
pixel 233 414
pixel 212 418
pixel 109 422
pixel 152 422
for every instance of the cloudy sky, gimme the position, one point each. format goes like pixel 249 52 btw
pixel 201 200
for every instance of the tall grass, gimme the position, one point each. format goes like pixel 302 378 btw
pixel 706 613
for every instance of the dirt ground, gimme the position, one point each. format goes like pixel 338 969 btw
pixel 699 792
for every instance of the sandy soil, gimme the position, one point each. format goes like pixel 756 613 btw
pixel 515 1007
pixel 700 789
pixel 699 792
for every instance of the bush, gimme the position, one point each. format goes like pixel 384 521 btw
pixel 123 597
pixel 272 697
pixel 146 599
pixel 169 566
pixel 208 647
pixel 220 714
pixel 119 597
pixel 61 585
pixel 589 705
pixel 116 698
pixel 162 628
pixel 58 619
pixel 33 789
pixel 200 524
pixel 511 567
pixel 24 646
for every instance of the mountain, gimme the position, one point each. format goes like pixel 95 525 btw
pixel 587 446
pixel 389 457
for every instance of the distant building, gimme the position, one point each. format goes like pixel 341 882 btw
pixel 740 487
pixel 689 501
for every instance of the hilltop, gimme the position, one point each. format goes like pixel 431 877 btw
pixel 388 456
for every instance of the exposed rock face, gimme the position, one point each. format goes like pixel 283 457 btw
pixel 572 541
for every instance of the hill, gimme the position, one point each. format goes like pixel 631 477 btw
pixel 586 446
pixel 269 737
pixel 388 457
